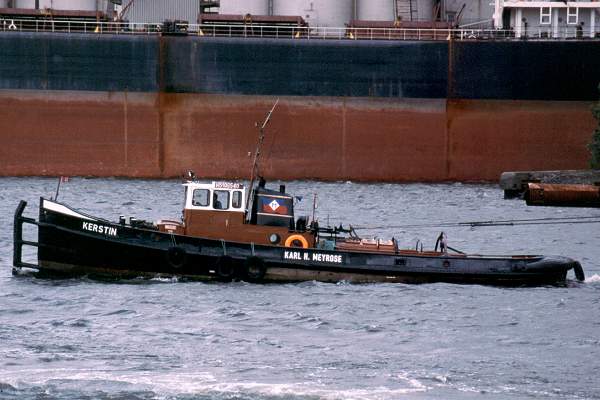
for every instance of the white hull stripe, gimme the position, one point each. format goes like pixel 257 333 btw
pixel 59 208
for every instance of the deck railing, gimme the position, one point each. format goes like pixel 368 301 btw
pixel 295 32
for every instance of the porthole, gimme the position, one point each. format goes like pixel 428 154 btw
pixel 274 238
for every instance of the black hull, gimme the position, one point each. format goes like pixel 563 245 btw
pixel 456 69
pixel 74 246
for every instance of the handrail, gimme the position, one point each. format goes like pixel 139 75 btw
pixel 295 32
pixel 18 241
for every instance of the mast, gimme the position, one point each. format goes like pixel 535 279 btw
pixel 254 171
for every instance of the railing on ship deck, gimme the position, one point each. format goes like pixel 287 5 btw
pixel 278 31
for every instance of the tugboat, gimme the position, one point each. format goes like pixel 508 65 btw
pixel 232 232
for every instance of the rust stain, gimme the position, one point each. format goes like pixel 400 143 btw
pixel 492 136
pixel 161 104
pixel 160 135
pixel 544 194
pixel 344 143
pixel 125 131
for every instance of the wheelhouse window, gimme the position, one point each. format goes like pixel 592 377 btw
pixel 201 197
pixel 236 200
pixel 221 199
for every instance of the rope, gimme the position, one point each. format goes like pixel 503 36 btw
pixel 510 222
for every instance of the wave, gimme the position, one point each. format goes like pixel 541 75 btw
pixel 593 279
pixel 65 383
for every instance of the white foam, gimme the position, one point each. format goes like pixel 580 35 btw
pixel 593 279
pixel 171 279
pixel 198 383
pixel 186 382
pixel 310 389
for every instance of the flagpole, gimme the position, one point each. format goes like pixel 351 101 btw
pixel 57 188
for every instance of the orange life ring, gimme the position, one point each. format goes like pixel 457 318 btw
pixel 292 238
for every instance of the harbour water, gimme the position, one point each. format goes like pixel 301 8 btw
pixel 166 339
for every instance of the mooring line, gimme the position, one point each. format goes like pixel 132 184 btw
pixel 510 222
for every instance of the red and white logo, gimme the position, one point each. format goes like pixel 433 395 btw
pixel 274 205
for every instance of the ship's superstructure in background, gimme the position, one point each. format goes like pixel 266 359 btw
pixel 321 13
pixel 548 19
pixel 395 90
pixel 526 18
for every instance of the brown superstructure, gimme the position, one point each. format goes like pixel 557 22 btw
pixel 218 210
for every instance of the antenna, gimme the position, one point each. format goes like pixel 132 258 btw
pixel 261 138
pixel 57 188
pixel 60 179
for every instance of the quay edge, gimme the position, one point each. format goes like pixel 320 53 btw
pixel 514 183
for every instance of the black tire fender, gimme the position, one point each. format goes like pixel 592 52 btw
pixel 176 257
pixel 255 269
pixel 225 268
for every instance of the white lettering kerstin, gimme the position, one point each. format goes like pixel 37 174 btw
pixel 105 230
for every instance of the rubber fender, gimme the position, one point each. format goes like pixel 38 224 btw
pixel 291 239
pixel 255 269
pixel 224 267
pixel 176 257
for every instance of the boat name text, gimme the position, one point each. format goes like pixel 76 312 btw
pixel 106 230
pixel 312 257
pixel 228 185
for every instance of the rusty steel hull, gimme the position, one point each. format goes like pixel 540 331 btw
pixel 147 134
pixel 152 106
pixel 562 195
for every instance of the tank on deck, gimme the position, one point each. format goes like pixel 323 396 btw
pixel 375 10
pixel 323 13
pixel 85 5
pixel 156 11
pixel 425 10
pixel 253 7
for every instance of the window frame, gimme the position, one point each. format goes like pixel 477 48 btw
pixel 237 193
pixel 570 14
pixel 543 16
pixel 215 198
pixel 208 197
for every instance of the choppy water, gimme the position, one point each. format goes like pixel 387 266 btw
pixel 162 339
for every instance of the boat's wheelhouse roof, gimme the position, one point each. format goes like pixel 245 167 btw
pixel 215 196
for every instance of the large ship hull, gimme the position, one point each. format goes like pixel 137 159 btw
pixel 152 106
pixel 368 139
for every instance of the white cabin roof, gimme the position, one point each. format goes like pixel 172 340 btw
pixel 215 196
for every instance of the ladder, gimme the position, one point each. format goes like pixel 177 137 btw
pixel 406 10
